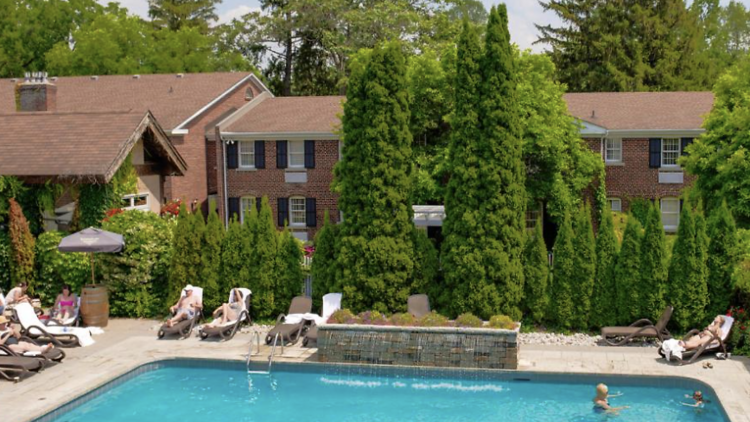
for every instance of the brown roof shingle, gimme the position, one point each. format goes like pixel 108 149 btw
pixel 641 110
pixel 291 115
pixel 170 98
pixel 72 145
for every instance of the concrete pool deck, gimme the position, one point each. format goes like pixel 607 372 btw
pixel 127 344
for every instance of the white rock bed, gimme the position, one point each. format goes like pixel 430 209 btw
pixel 578 339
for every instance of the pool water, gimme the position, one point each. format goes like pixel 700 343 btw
pixel 186 394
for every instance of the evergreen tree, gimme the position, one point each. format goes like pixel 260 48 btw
pixel 653 285
pixel 604 308
pixel 213 237
pixel 468 287
pixel 248 250
pixel 289 266
pixel 585 264
pixel 232 257
pixel 628 274
pixel 323 268
pixel 186 254
pixel 687 285
pixel 536 274
pixel 564 277
pixel 6 259
pixel 178 14
pixel 723 257
pixel 426 264
pixel 375 260
pixel 263 279
pixel 22 246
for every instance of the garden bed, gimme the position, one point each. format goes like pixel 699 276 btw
pixel 419 346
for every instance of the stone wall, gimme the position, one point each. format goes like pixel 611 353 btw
pixel 418 346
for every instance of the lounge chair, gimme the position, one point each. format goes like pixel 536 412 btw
pixel 642 328
pixel 12 368
pixel 291 326
pixel 33 328
pixel 55 355
pixel 717 343
pixel 419 305
pixel 184 327
pixel 228 330
pixel 331 304
pixel 68 322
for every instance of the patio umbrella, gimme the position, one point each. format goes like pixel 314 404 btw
pixel 92 240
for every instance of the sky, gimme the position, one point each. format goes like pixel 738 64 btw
pixel 522 15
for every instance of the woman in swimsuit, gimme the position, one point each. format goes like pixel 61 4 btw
pixel 711 332
pixel 601 402
pixel 229 311
pixel 65 304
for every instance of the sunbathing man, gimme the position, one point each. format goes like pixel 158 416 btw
pixel 601 402
pixel 185 308
pixel 705 336
pixel 9 337
pixel 229 311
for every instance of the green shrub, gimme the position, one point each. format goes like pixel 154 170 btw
pixel 22 246
pixel 402 319
pixel 502 321
pixel 639 208
pixel 468 320
pixel 55 268
pixel 343 316
pixel 137 277
pixel 6 259
pixel 372 318
pixel 433 319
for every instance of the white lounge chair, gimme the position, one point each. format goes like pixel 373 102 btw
pixel 331 304
pixel 60 336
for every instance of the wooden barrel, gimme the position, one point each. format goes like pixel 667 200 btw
pixel 94 305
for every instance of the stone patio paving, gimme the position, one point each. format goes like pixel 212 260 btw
pixel 130 343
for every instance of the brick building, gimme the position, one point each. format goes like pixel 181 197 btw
pixel 285 148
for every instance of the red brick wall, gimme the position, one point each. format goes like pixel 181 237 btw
pixel 195 185
pixel 634 178
pixel 270 182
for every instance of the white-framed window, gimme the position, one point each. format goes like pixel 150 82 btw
pixel 615 204
pixel 612 150
pixel 296 154
pixel 246 150
pixel 670 213
pixel 138 201
pixel 297 214
pixel 532 217
pixel 246 204
pixel 670 152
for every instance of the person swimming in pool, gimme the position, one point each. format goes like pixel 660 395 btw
pixel 601 401
pixel 698 401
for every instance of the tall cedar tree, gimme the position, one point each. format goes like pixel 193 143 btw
pixel 536 273
pixel 213 237
pixel 289 266
pixel 177 14
pixel 654 264
pixel 687 285
pixel 503 170
pixel 628 274
pixel 232 257
pixel 375 260
pixel 186 256
pixel 263 279
pixel 249 265
pixel 603 300
pixel 323 268
pixel 585 264
pixel 702 242
pixel 564 277
pixel 723 258
pixel 469 288
pixel 426 263
pixel 22 246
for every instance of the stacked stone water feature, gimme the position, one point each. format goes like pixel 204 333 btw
pixel 419 346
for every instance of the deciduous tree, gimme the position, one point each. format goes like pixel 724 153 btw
pixel 22 246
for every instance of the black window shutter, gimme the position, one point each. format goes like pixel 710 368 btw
pixel 684 143
pixel 260 155
pixel 281 159
pixel 283 208
pixel 310 213
pixel 232 156
pixel 258 203
pixel 234 208
pixel 654 153
pixel 309 154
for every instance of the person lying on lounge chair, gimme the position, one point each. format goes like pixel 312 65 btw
pixel 185 307
pixel 228 311
pixel 705 336
pixel 9 338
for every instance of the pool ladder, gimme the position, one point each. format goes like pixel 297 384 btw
pixel 270 357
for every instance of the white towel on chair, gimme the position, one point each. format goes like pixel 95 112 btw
pixel 30 322
pixel 297 318
pixel 671 348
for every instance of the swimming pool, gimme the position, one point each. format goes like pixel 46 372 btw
pixel 190 390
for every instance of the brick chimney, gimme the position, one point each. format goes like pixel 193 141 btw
pixel 36 93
